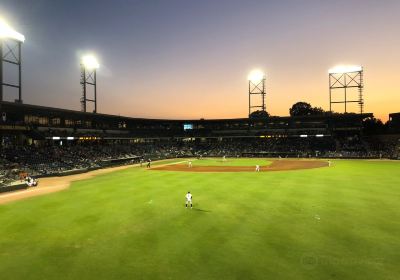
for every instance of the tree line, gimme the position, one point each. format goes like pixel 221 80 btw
pixel 371 125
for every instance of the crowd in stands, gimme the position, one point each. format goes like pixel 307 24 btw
pixel 55 158
pixel 6 172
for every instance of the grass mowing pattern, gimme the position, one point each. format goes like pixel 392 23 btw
pixel 341 222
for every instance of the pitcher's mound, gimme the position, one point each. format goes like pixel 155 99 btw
pixel 277 165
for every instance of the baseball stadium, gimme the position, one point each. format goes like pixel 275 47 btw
pixel 90 194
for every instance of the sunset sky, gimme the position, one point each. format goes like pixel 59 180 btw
pixel 190 59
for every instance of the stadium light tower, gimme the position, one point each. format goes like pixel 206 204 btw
pixel 89 65
pixel 10 52
pixel 345 78
pixel 256 87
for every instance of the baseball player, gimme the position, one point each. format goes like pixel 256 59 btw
pixel 190 164
pixel 257 168
pixel 189 200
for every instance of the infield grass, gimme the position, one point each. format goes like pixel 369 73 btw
pixel 341 222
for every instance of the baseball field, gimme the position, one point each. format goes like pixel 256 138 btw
pixel 308 222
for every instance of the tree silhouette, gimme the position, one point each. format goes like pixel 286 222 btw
pixel 259 114
pixel 305 109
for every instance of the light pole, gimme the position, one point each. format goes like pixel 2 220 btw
pixel 346 78
pixel 89 65
pixel 10 52
pixel 257 87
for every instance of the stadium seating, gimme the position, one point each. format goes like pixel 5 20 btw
pixel 55 159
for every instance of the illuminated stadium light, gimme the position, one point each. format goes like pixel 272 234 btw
pixel 7 32
pixel 70 138
pixel 10 53
pixel 345 69
pixel 56 138
pixel 90 62
pixel 319 135
pixel 257 89
pixel 256 76
pixel 343 79
pixel 303 135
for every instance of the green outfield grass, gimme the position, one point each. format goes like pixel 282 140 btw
pixel 341 222
pixel 230 162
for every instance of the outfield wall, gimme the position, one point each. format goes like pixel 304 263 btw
pixel 15 187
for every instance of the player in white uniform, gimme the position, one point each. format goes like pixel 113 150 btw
pixel 190 164
pixel 189 200
pixel 257 168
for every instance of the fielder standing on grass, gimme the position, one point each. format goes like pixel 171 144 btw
pixel 189 200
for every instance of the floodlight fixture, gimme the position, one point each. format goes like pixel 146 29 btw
pixel 7 32
pixel 90 62
pixel 340 69
pixel 256 75
pixel 256 80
